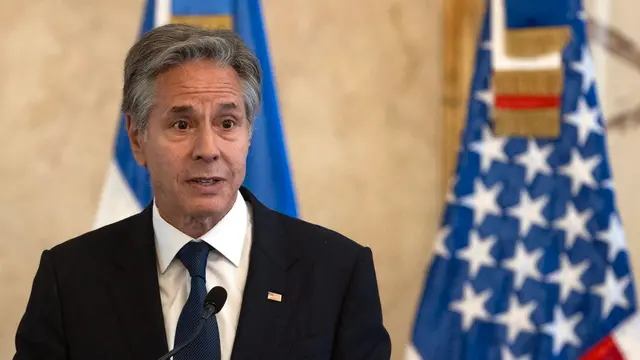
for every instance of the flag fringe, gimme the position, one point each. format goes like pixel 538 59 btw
pixel 540 123
pixel 529 82
pixel 205 21
pixel 539 41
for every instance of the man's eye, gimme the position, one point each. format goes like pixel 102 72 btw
pixel 181 125
pixel 228 124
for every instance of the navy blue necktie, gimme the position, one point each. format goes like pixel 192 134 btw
pixel 207 345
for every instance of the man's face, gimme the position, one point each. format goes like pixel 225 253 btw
pixel 197 140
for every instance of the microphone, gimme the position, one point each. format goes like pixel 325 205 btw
pixel 213 303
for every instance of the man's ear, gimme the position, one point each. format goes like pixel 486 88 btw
pixel 135 140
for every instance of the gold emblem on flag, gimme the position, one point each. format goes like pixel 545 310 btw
pixel 205 21
pixel 540 123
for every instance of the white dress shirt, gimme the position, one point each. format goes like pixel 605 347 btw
pixel 227 266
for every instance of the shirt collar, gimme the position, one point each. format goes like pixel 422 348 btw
pixel 227 236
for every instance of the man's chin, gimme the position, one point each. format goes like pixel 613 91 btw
pixel 209 207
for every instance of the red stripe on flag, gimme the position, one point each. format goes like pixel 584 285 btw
pixel 604 350
pixel 526 102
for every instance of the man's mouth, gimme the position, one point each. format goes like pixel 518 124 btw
pixel 205 180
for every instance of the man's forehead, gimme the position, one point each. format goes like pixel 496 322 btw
pixel 200 84
pixel 198 69
pixel 194 87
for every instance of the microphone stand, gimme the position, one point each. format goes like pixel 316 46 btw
pixel 208 311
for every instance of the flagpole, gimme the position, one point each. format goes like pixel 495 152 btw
pixel 462 21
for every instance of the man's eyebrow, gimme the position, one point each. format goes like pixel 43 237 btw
pixel 229 106
pixel 181 109
pixel 187 109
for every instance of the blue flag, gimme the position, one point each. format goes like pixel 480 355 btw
pixel 539 13
pixel 127 187
pixel 531 259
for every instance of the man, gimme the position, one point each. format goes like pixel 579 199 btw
pixel 135 289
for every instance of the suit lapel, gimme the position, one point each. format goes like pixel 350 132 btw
pixel 262 321
pixel 133 286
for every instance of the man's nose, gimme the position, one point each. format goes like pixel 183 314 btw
pixel 206 145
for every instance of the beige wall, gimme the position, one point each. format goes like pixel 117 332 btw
pixel 359 85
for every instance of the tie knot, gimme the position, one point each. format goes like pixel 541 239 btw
pixel 194 257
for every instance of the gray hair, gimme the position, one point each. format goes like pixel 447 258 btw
pixel 171 45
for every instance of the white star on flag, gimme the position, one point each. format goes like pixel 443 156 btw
pixel 574 224
pixel 529 212
pixel 517 318
pixel 580 171
pixel 490 148
pixel 482 201
pixel 472 306
pixel 486 96
pixel 486 45
pixel 609 184
pixel 508 355
pixel 568 276
pixel 585 121
pixel 612 292
pixel 451 196
pixel 582 15
pixel 524 264
pixel 614 237
pixel 478 253
pixel 586 69
pixel 563 330
pixel 441 247
pixel 534 160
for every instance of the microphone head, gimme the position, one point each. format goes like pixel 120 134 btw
pixel 216 297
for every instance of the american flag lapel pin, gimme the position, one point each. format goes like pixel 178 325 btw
pixel 274 296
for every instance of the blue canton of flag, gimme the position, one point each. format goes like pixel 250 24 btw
pixel 531 260
pixel 127 187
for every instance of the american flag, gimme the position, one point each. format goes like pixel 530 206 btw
pixel 531 259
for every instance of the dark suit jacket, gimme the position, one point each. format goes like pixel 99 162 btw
pixel 96 296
